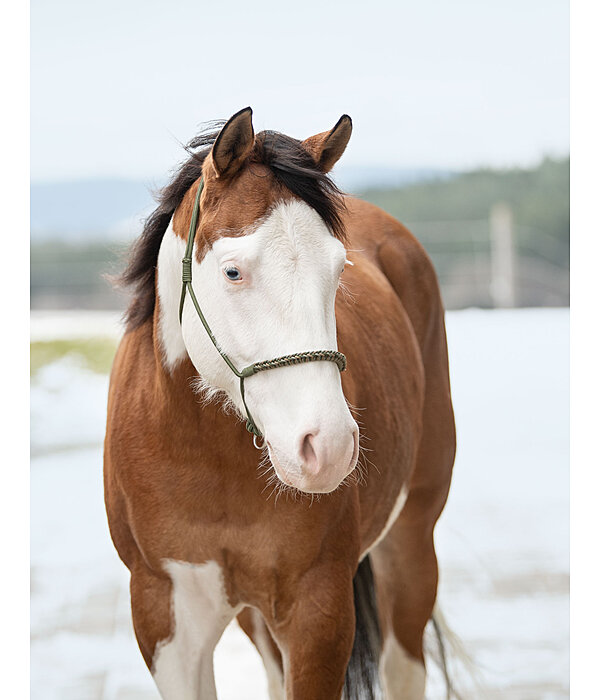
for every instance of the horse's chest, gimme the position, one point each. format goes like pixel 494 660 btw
pixel 247 533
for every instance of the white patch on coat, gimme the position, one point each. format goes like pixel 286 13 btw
pixel 183 664
pixel 272 668
pixel 403 677
pixel 171 252
pixel 392 517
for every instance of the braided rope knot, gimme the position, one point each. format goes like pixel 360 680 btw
pixel 186 270
pixel 301 357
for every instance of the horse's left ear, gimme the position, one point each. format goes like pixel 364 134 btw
pixel 234 143
pixel 327 148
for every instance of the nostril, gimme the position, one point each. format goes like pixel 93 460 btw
pixel 307 452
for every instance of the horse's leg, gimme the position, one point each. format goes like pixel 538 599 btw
pixel 406 574
pixel 178 621
pixel 314 627
pixel 253 624
pixel 404 563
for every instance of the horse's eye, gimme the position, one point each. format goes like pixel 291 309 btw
pixel 233 274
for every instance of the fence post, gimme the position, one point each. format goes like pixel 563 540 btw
pixel 503 279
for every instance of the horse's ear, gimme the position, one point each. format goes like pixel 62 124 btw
pixel 327 148
pixel 234 143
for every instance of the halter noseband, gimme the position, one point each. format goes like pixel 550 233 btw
pixel 285 361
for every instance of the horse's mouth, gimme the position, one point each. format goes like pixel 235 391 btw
pixel 325 481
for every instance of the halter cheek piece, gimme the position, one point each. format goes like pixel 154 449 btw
pixel 285 361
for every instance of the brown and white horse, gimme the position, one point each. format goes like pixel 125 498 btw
pixel 335 589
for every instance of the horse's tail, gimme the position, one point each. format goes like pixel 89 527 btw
pixel 362 675
pixel 452 655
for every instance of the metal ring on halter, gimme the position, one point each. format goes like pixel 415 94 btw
pixel 255 440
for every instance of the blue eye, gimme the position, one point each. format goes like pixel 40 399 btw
pixel 233 274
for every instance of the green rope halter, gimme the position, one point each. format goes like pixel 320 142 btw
pixel 285 361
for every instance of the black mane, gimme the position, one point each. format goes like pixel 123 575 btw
pixel 293 168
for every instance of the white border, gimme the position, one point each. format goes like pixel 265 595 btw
pixel 14 292
pixel 585 348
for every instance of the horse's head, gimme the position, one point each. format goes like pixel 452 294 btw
pixel 266 267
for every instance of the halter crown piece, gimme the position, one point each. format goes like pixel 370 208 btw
pixel 285 361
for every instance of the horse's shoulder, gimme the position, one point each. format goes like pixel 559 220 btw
pixel 360 212
pixel 131 376
pixel 379 234
pixel 400 256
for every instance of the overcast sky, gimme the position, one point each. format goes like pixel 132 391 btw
pixel 452 84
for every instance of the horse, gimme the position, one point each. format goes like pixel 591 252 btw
pixel 261 293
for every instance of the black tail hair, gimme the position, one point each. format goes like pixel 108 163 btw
pixel 362 674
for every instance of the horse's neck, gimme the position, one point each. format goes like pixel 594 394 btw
pixel 192 422
pixel 205 421
pixel 173 367
pixel 173 376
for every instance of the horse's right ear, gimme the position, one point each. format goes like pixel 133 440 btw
pixel 234 143
pixel 327 148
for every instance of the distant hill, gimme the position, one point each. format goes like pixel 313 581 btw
pixel 88 209
pixel 538 198
pixel 451 219
pixel 113 209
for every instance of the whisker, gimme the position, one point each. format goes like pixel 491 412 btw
pixel 347 294
pixel 355 250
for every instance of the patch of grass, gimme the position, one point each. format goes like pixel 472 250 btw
pixel 95 353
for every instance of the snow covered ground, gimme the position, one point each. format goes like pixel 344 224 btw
pixel 502 541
